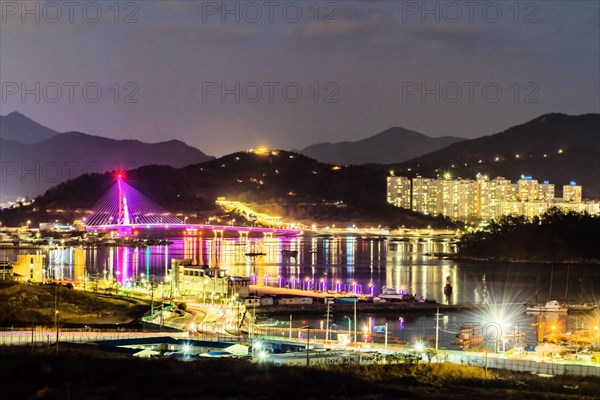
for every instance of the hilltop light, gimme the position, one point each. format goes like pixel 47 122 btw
pixel 560 151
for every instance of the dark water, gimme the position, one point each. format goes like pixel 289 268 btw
pixel 352 264
pixel 344 263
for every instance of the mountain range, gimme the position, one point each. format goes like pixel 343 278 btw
pixel 18 128
pixel 555 147
pixel 390 146
pixel 34 158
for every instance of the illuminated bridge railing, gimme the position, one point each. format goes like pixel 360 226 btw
pixel 225 228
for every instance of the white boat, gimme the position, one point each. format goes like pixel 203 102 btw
pixel 552 306
pixel 391 294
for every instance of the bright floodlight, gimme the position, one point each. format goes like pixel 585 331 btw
pixel 262 355
pixel 419 346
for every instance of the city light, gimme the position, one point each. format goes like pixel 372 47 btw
pixel 484 199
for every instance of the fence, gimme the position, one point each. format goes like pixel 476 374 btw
pixel 43 336
pixel 552 367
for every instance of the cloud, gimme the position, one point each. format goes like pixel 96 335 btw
pixel 349 26
pixel 205 34
pixel 173 6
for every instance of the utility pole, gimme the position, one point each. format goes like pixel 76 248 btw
pixel 307 345
pixel 386 336
pixel 437 328
pixel 355 320
pixel 152 299
pixel 56 314
pixel 327 323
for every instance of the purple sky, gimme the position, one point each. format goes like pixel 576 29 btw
pixel 368 56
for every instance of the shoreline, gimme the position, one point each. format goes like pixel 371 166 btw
pixel 519 261
pixel 374 308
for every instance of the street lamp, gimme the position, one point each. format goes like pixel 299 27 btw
pixel 349 325
pixel 307 343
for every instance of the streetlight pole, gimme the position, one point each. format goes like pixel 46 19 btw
pixel 437 328
pixel 355 320
pixel 307 344
pixel 386 336
pixel 56 314
pixel 349 325
pixel 152 298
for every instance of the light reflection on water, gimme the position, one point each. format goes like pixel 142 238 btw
pixel 340 262
pixel 348 263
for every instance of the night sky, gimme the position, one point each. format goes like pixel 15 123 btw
pixel 361 67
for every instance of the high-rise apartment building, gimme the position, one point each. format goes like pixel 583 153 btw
pixel 483 199
pixel 399 191
pixel 425 195
pixel 572 193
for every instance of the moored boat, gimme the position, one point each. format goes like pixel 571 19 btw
pixel 552 306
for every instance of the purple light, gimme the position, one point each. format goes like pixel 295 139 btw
pixel 124 206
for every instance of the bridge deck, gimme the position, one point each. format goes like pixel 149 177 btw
pixel 222 228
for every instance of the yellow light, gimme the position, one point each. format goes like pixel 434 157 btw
pixel 260 151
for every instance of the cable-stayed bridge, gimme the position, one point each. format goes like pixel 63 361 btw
pixel 125 210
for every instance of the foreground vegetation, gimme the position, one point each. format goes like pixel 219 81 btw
pixel 71 374
pixel 554 237
pixel 27 304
